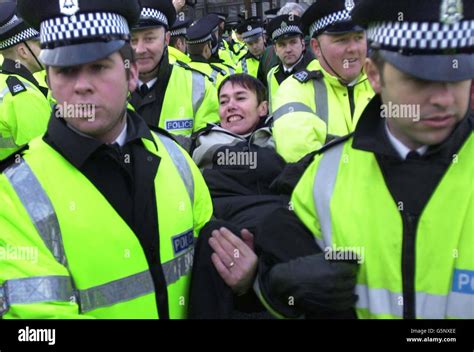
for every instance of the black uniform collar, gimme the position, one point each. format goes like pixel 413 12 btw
pixel 370 134
pixel 77 148
pixel 198 58
pixel 9 67
pixel 249 55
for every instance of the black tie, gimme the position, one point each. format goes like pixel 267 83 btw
pixel 413 155
pixel 144 90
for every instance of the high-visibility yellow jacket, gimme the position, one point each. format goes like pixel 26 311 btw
pixel 312 107
pixel 344 200
pixel 87 261
pixel 24 113
pixel 177 55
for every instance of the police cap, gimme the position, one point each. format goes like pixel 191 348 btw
pixel 284 26
pixel 75 32
pixel 180 26
pixel 252 29
pixel 201 30
pixel 156 13
pixel 429 39
pixel 330 17
pixel 13 30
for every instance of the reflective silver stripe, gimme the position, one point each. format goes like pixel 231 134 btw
pixel 181 164
pixel 3 93
pixel 36 290
pixel 244 66
pixel 291 108
pixel 324 183
pixel 114 292
pixel 231 71
pixel 6 90
pixel 379 300
pixel 178 267
pixel 8 142
pixel 214 76
pixel 38 206
pixel 321 100
pixel 382 301
pixel 199 90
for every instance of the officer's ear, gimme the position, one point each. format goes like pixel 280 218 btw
pixel 374 75
pixel 132 77
pixel 167 37
pixel 47 77
pixel 316 47
pixel 22 52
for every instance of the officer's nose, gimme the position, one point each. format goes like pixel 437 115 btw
pixel 442 95
pixel 139 47
pixel 82 84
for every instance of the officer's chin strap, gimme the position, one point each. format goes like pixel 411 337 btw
pixel 327 63
pixel 36 59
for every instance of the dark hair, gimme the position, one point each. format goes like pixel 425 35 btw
pixel 174 40
pixel 197 49
pixel 246 81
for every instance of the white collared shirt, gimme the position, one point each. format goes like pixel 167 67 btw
pixel 150 84
pixel 290 69
pixel 401 148
pixel 120 140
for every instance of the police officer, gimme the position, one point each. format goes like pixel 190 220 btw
pixel 398 192
pixel 223 54
pixel 177 99
pixel 326 99
pixel 177 48
pixel 21 96
pixel 115 236
pixel 288 41
pixel 237 45
pixel 254 39
pixel 202 43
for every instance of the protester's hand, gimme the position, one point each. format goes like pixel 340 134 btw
pixel 234 258
pixel 179 4
pixel 315 283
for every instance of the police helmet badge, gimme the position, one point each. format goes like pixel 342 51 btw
pixel 451 11
pixel 68 7
pixel 349 4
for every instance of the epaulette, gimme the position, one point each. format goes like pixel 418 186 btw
pixel 218 69
pixel 162 131
pixel 334 142
pixel 15 85
pixel 12 159
pixel 304 76
pixel 187 67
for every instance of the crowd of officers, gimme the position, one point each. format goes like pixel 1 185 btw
pixel 112 118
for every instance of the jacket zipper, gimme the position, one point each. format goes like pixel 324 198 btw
pixel 408 265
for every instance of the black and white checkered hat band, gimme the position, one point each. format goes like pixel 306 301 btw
pixel 199 41
pixel 282 31
pixel 422 35
pixel 27 34
pixel 324 22
pixel 176 32
pixel 153 14
pixel 81 26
